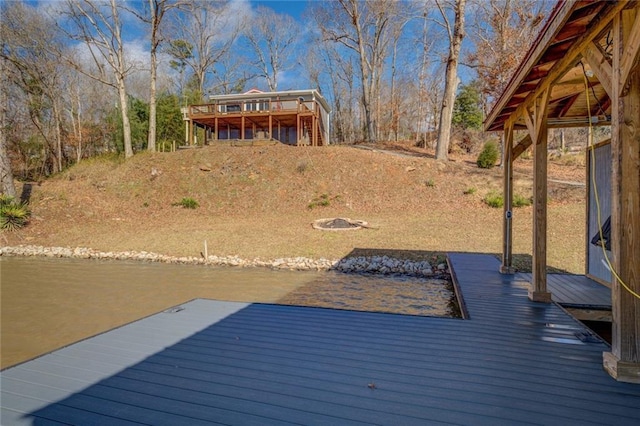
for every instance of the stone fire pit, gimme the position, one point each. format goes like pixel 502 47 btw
pixel 339 224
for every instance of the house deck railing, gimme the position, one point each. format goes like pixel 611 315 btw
pixel 259 106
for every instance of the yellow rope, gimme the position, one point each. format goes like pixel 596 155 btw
pixel 595 191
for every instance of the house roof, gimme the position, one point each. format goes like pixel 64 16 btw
pixel 251 94
pixel 574 38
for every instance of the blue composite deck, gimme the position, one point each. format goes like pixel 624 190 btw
pixel 511 362
pixel 575 290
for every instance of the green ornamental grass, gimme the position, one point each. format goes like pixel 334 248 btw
pixel 13 215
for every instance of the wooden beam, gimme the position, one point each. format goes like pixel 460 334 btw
pixel 298 136
pixel 507 239
pixel 538 289
pixel 535 117
pixel 562 65
pixel 555 52
pixel 568 104
pixel 599 65
pixel 563 90
pixel 314 130
pixel 623 362
pixel 548 33
pixel 521 147
pixel 631 52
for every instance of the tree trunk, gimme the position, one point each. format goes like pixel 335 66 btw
pixel 126 125
pixel 57 119
pixel 451 83
pixel 79 135
pixel 6 175
pixel 151 141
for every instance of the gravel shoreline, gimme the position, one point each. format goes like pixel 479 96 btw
pixel 382 265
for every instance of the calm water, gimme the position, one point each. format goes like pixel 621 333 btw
pixel 48 303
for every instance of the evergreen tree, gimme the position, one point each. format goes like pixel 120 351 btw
pixel 467 111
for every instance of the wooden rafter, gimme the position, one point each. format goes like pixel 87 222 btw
pixel 631 53
pixel 600 65
pixel 561 66
pixel 568 104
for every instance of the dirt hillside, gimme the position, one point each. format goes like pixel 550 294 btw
pixel 260 201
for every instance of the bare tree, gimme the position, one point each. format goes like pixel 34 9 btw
pixel 31 50
pixel 502 31
pixel 99 26
pixel 425 42
pixel 272 39
pixel 333 73
pixel 365 28
pixel 153 17
pixel 455 34
pixel 205 34
pixel 393 109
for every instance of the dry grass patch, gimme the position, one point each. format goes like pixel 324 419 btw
pixel 254 202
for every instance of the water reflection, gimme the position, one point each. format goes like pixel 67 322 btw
pixel 392 294
pixel 49 303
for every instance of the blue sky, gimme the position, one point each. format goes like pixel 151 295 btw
pixel 291 7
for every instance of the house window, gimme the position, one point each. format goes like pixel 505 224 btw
pixel 224 108
pixel 256 105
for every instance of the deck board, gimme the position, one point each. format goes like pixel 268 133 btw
pixel 512 362
pixel 575 290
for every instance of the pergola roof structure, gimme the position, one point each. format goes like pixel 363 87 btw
pixel 550 58
pixel 583 69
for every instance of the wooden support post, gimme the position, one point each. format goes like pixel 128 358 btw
pixel 270 125
pixel 242 127
pixel 537 126
pixel 191 132
pixel 314 131
pixel 623 362
pixel 216 129
pixel 507 239
pixel 298 136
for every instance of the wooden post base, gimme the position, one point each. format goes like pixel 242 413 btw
pixel 540 296
pixel 507 270
pixel 622 371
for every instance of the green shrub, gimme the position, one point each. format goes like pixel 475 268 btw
pixel 489 155
pixel 494 199
pixel 187 203
pixel 323 200
pixel 430 183
pixel 13 215
pixel 521 201
pixel 470 191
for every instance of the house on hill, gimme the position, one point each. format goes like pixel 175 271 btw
pixel 293 117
